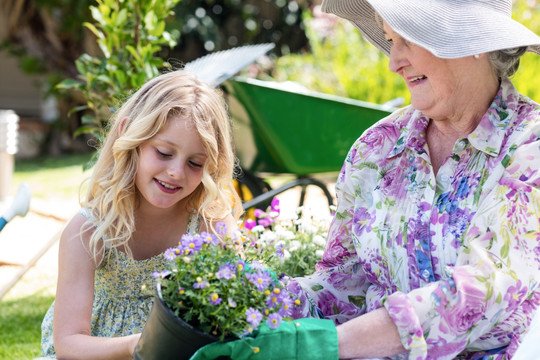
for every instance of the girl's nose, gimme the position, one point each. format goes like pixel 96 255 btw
pixel 176 170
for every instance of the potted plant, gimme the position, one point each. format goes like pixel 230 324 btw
pixel 219 288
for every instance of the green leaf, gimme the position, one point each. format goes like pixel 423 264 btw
pixel 94 30
pixel 122 17
pixel 84 130
pixel 359 301
pixel 68 84
pixel 76 109
pixel 88 119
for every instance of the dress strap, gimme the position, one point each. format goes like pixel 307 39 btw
pixel 193 223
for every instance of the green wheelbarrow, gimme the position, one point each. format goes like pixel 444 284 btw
pixel 284 130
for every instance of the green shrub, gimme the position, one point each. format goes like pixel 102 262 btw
pixel 130 34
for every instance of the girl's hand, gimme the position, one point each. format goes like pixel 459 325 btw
pixel 133 341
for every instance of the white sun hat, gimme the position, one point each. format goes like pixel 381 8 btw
pixel 447 28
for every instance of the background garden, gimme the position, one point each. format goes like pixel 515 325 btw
pixel 91 54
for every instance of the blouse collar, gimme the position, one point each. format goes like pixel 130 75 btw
pixel 487 137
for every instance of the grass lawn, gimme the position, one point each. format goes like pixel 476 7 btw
pixel 21 316
pixel 51 177
pixel 20 331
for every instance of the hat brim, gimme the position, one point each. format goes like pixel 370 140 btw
pixel 443 28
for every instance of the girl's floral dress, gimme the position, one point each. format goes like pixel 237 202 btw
pixel 454 258
pixel 123 295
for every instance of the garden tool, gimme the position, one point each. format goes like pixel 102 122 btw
pixel 301 339
pixel 215 68
pixel 19 206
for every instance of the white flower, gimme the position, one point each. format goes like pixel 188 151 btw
pixel 286 254
pixel 285 234
pixel 319 240
pixel 319 253
pixel 295 245
pixel 258 228
pixel 308 228
pixel 268 236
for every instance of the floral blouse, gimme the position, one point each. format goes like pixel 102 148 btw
pixel 454 258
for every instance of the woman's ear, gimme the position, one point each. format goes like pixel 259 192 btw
pixel 121 126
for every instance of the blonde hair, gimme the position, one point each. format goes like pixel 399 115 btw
pixel 112 197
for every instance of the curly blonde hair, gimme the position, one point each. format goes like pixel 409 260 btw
pixel 112 198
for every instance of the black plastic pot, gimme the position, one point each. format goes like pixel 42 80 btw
pixel 165 336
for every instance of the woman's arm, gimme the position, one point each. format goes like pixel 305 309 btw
pixel 371 335
pixel 74 301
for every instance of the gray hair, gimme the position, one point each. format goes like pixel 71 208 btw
pixel 505 62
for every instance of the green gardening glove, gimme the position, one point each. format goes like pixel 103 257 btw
pixel 302 339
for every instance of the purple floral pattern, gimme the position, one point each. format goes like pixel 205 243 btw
pixel 454 258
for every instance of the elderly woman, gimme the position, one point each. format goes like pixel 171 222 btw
pixel 434 251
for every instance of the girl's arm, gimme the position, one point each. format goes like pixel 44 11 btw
pixel 74 301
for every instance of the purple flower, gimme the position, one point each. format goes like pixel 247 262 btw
pixel 214 299
pixel 260 279
pixel 250 224
pixel 170 254
pixel 286 306
pixel 274 205
pixel 225 272
pixel 240 265
pixel 256 265
pixel 266 222
pixel 280 251
pixel 160 274
pixel 191 243
pixel 274 299
pixel 362 221
pixel 258 213
pixel 221 228
pixel 470 309
pixel 274 320
pixel 200 284
pixel 515 294
pixel 208 238
pixel 254 317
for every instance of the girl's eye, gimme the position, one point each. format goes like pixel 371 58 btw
pixel 162 154
pixel 194 164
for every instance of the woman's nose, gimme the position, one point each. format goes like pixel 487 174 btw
pixel 397 58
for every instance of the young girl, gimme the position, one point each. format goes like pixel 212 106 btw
pixel 165 169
